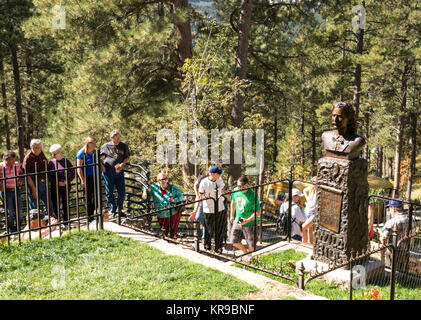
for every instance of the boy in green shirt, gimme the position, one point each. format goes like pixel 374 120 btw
pixel 242 208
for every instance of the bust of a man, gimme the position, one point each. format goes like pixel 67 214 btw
pixel 342 141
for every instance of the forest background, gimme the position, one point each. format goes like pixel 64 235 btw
pixel 73 68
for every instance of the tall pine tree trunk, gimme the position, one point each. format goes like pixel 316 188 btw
pixel 18 100
pixel 379 161
pixel 275 138
pixel 184 51
pixel 413 141
pixel 400 129
pixel 313 150
pixel 358 72
pixel 389 166
pixel 302 131
pixel 4 98
pixel 183 28
pixel 367 135
pixel 237 115
pixel 29 108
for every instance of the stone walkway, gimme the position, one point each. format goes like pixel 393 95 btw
pixel 268 289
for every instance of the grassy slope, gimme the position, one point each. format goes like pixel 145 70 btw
pixel 102 265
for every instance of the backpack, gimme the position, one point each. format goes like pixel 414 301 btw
pixel 282 221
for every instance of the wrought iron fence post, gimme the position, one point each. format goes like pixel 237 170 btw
pixel 128 201
pixel 17 203
pixel 255 220
pixel 48 199
pixel 216 210
pixel 393 271
pixel 85 191
pixel 290 185
pixel 28 217
pixel 118 218
pixel 37 204
pixel 350 278
pixel 6 218
pixel 198 238
pixel 99 193
pixel 411 213
pixel 261 222
pixel 301 270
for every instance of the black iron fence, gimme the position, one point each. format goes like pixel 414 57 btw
pixel 391 270
pixel 265 227
pixel 79 199
pixel 37 204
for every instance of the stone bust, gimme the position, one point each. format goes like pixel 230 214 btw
pixel 342 141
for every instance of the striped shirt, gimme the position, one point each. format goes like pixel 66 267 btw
pixel 10 172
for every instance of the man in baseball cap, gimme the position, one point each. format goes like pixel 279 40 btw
pixel 394 204
pixel 215 222
pixel 296 192
pixel 401 221
pixel 297 215
pixel 215 169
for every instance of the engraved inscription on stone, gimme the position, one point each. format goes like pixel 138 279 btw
pixel 330 208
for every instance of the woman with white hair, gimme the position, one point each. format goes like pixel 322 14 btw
pixel 60 168
pixel 165 195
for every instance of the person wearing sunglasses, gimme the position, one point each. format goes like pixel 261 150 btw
pixel 164 195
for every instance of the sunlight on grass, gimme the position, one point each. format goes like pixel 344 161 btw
pixel 102 265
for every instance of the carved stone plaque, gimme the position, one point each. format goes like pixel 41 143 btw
pixel 330 208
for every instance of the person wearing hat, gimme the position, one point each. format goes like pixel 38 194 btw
pixel 401 221
pixel 116 155
pixel 398 218
pixel 59 190
pixel 297 215
pixel 215 222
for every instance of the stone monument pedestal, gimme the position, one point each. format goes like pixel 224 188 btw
pixel 363 273
pixel 341 222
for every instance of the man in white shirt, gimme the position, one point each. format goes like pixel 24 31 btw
pixel 215 223
pixel 297 215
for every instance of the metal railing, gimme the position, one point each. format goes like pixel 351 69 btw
pixel 25 216
pixel 141 216
pixel 390 267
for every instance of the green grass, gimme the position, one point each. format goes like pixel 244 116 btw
pixel 102 265
pixel 405 289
